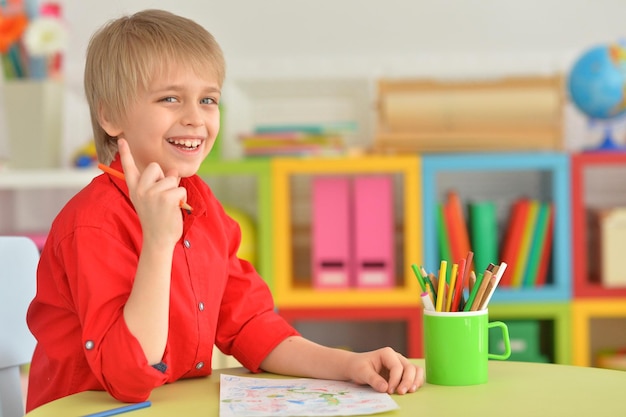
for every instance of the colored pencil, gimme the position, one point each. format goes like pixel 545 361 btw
pixel 427 302
pixel 484 282
pixel 120 410
pixel 473 292
pixel 419 277
pixel 498 277
pixel 453 274
pixel 441 290
pixel 458 291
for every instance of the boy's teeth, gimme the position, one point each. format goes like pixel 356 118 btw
pixel 187 142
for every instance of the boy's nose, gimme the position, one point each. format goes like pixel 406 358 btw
pixel 191 116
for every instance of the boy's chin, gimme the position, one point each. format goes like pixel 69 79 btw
pixel 188 171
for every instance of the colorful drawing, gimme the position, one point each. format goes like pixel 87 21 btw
pixel 248 396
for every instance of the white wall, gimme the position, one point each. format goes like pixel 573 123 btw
pixel 367 39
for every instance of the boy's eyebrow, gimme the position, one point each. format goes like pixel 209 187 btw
pixel 178 87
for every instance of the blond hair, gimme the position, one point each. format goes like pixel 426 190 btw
pixel 127 53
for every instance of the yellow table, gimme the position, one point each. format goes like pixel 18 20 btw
pixel 514 389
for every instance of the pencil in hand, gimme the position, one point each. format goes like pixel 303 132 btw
pixel 120 175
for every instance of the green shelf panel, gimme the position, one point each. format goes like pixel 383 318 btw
pixel 260 169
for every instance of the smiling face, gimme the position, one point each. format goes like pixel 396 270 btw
pixel 154 78
pixel 173 121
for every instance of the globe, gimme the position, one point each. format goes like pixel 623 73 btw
pixel 597 84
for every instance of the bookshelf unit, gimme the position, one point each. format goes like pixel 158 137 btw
pixel 503 177
pixel 582 316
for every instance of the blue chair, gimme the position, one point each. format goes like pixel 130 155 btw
pixel 18 270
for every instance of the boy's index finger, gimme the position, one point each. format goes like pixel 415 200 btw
pixel 131 172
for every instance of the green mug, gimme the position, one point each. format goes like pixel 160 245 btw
pixel 456 347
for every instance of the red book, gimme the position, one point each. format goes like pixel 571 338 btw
pixel 513 239
pixel 451 231
pixel 546 251
pixel 457 227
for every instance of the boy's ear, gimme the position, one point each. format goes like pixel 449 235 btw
pixel 108 124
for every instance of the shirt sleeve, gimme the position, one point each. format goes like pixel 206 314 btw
pixel 100 272
pixel 248 328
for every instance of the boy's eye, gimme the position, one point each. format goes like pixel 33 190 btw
pixel 169 99
pixel 207 100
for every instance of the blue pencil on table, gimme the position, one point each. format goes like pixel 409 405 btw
pixel 120 410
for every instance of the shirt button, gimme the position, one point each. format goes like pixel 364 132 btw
pixel 89 344
pixel 201 306
pixel 187 243
pixel 199 365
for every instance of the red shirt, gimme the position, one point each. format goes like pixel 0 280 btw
pixel 85 276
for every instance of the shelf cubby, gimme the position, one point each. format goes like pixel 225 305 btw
pixel 597 182
pixel 292 231
pixel 503 177
pixel 557 314
pixel 595 318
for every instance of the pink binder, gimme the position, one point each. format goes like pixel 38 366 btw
pixel 374 231
pixel 331 232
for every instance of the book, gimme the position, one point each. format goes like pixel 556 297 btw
pixel 526 243
pixel 513 238
pixel 442 234
pixel 457 227
pixel 536 246
pixel 483 226
pixel 290 143
pixel 611 232
pixel 451 231
pixel 341 127
pixel 546 252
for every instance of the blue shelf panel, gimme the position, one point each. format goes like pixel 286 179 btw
pixel 553 163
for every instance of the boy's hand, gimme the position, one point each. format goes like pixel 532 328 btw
pixel 156 196
pixel 385 370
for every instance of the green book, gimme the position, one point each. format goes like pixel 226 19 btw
pixel 442 235
pixel 483 233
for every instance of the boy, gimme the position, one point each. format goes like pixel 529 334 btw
pixel 133 292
